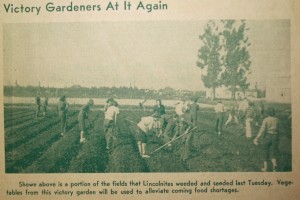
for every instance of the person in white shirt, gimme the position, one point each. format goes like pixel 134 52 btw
pixel 180 108
pixel 219 109
pixel 110 122
pixel 145 125
pixel 108 103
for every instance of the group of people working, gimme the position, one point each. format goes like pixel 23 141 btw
pixel 180 124
pixel 248 116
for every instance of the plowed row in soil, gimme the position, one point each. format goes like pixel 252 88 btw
pixel 24 155
pixel 15 139
pixel 36 146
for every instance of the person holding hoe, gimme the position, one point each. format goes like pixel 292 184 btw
pixel 144 127
pixel 82 116
pixel 110 122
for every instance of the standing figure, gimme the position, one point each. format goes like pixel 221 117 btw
pixel 194 109
pixel 145 125
pixel 269 133
pixel 243 107
pixel 62 113
pixel 141 105
pixel 172 129
pixel 108 103
pixel 180 110
pixel 260 112
pixel 185 126
pixel 82 116
pixel 38 105
pixel 45 106
pixel 110 122
pixel 232 115
pixel 159 110
pixel 219 109
pixel 250 118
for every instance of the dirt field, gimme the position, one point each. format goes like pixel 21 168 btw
pixel 36 146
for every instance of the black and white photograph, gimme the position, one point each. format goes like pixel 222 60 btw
pixel 148 96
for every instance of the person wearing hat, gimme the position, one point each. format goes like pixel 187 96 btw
pixel 269 134
pixel 82 116
pixel 110 122
pixel 145 125
pixel 63 107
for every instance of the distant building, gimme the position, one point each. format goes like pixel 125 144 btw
pixel 225 93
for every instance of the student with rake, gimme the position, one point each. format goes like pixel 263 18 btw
pixel 144 127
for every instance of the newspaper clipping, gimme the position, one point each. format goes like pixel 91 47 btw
pixel 151 99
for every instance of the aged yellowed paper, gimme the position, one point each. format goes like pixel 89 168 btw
pixel 149 99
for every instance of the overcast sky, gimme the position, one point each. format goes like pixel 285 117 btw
pixel 153 54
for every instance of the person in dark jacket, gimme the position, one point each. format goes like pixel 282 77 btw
pixel 45 106
pixel 194 110
pixel 38 105
pixel 63 107
pixel 159 110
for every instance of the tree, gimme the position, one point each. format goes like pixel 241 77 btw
pixel 236 58
pixel 209 56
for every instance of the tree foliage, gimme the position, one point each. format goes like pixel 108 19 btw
pixel 224 55
pixel 209 56
pixel 236 59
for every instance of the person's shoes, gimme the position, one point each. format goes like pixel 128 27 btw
pixel 219 133
pixel 82 140
pixel 263 169
pixel 145 156
pixel 275 169
pixel 107 148
pixel 62 134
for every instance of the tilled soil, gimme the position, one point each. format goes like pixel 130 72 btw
pixel 36 146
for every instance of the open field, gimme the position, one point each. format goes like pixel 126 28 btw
pixel 35 146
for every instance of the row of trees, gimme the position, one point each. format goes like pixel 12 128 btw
pixel 224 55
pixel 78 91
